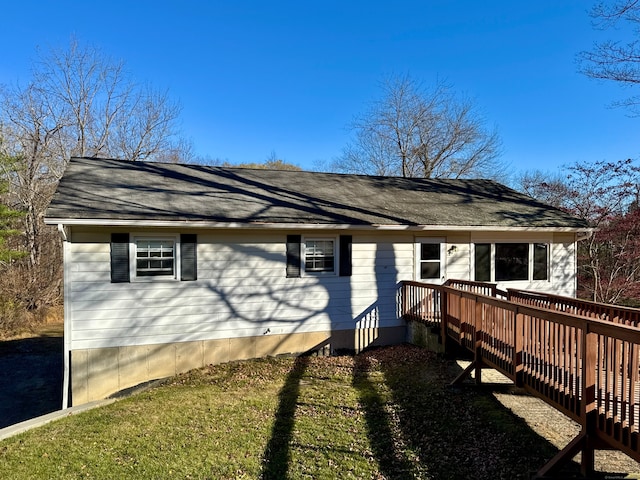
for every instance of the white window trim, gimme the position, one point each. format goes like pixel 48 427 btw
pixel 418 254
pixel 529 242
pixel 134 237
pixel 303 260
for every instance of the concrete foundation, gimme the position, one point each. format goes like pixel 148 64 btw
pixel 423 336
pixel 98 373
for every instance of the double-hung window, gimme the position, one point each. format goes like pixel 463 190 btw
pixel 430 259
pixel 155 257
pixel 148 257
pixel 326 255
pixel 320 255
pixel 505 262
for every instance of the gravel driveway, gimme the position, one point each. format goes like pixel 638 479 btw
pixel 30 376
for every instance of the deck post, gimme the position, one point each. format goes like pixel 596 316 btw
pixel 443 317
pixel 404 301
pixel 518 346
pixel 477 325
pixel 588 412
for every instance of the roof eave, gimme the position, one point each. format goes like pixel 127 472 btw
pixel 205 224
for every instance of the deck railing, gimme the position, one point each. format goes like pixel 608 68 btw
pixel 602 311
pixel 421 301
pixel 580 363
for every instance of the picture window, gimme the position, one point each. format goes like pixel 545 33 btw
pixel 507 262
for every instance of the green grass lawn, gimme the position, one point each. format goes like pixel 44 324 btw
pixel 387 413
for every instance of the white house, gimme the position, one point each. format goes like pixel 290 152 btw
pixel 171 267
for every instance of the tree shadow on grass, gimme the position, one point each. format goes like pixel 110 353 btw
pixel 393 464
pixel 277 453
pixel 424 429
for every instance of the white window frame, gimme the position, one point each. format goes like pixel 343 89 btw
pixel 133 250
pixel 530 268
pixel 418 258
pixel 336 259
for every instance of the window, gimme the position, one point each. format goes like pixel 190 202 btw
pixel 331 255
pixel 540 261
pixel 429 261
pixel 505 262
pixel 483 262
pixel 320 255
pixel 512 261
pixel 155 258
pixel 147 258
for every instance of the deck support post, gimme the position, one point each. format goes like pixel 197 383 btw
pixel 462 376
pixel 477 364
pixel 443 317
pixel 477 326
pixel 588 412
pixel 478 370
pixel 518 347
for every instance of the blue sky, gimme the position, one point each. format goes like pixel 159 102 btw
pixel 287 77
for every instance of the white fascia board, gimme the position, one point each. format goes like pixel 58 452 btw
pixel 298 226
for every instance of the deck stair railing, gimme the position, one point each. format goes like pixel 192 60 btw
pixel 583 361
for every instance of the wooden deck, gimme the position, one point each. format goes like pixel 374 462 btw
pixel 580 357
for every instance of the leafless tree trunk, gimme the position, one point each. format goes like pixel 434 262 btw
pixel 415 132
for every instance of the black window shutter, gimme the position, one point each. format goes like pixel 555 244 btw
pixel 345 255
pixel 119 258
pixel 188 256
pixel 293 255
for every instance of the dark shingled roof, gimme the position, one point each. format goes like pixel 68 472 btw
pixel 105 190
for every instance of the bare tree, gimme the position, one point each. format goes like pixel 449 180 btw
pixel 78 102
pixel 412 131
pixel 616 60
pixel 31 136
pixel 100 110
pixel 549 188
pixel 606 195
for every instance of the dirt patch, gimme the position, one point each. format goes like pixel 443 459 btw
pixel 31 375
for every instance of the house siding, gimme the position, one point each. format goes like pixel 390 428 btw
pixel 458 256
pixel 241 291
pixel 563 265
pixel 242 305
